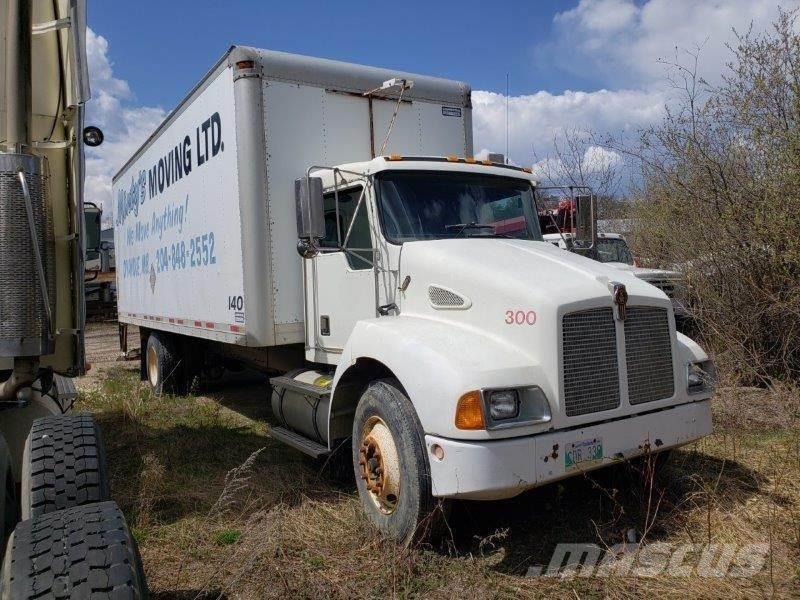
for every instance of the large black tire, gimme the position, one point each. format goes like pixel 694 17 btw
pixel 64 465
pixel 411 515
pixel 86 552
pixel 164 367
pixel 10 515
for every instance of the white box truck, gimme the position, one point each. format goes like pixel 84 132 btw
pixel 326 223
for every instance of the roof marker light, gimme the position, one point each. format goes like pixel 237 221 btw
pixel 452 158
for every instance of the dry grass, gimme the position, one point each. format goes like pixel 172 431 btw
pixel 220 509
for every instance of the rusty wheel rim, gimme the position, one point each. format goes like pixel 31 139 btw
pixel 152 366
pixel 379 465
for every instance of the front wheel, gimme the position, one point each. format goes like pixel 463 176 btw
pixel 391 468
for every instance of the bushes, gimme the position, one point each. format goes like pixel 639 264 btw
pixel 720 199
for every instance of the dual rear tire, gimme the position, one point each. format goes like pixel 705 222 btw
pixel 73 541
pixel 163 365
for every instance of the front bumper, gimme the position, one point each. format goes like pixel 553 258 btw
pixel 495 469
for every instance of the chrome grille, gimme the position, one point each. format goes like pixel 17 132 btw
pixel 589 358
pixel 648 354
pixel 671 286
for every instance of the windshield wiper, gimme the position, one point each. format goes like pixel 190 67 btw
pixel 464 226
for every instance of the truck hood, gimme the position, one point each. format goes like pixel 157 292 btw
pixel 509 297
pixel 496 275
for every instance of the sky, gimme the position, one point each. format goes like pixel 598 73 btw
pixel 588 65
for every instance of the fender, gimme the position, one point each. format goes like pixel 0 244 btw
pixel 437 362
pixel 689 350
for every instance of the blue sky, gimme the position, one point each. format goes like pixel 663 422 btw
pixel 573 65
pixel 166 46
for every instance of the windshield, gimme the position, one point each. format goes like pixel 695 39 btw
pixel 432 205
pixel 613 250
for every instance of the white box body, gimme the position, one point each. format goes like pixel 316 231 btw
pixel 204 212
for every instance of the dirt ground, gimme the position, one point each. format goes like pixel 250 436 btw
pixel 222 510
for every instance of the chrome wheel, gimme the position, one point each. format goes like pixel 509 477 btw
pixel 379 465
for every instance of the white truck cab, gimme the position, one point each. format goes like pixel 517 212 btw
pixel 523 363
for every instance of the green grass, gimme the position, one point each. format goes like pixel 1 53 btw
pixel 282 527
pixel 227 537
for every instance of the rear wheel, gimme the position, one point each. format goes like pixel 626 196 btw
pixel 86 552
pixel 391 468
pixel 164 368
pixel 64 465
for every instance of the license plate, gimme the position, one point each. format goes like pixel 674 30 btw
pixel 583 453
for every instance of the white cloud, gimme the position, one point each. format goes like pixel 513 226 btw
pixel 534 120
pixel 125 125
pixel 623 40
pixel 620 43
pixel 597 158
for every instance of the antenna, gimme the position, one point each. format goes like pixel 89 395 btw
pixel 506 118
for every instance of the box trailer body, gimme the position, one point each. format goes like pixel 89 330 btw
pixel 331 219
pixel 204 211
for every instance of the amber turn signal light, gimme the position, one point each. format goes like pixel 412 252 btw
pixel 469 411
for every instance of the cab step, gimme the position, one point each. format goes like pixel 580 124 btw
pixel 298 442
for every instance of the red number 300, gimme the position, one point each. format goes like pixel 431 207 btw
pixel 520 317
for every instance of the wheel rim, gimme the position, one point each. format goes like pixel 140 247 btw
pixel 152 366
pixel 379 465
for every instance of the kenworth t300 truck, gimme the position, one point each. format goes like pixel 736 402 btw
pixel 326 223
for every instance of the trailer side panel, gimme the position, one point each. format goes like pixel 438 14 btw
pixel 177 223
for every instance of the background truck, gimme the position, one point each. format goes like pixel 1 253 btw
pixel 326 223
pixel 613 250
pixel 100 279
pixel 72 541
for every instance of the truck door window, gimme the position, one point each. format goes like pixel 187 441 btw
pixel 358 255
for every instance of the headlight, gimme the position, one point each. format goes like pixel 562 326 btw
pixel 503 404
pixel 700 376
pixel 516 407
pixel 497 409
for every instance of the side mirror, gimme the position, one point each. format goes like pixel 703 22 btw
pixel 585 222
pixel 92 136
pixel 310 208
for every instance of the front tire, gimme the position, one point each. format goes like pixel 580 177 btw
pixel 391 467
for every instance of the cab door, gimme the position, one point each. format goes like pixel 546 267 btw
pixel 340 278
